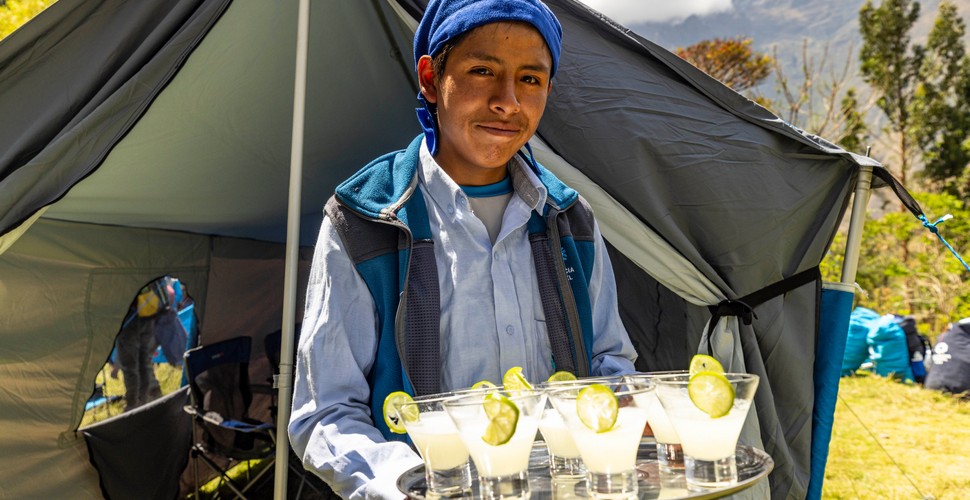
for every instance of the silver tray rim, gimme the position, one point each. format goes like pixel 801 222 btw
pixel 748 456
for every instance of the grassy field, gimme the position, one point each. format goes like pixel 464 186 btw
pixel 169 378
pixel 897 441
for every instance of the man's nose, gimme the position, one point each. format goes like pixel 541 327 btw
pixel 505 99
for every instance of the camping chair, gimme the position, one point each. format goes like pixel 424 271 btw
pixel 220 397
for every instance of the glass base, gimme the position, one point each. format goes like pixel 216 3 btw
pixel 670 457
pixel 449 483
pixel 501 487
pixel 567 488
pixel 706 474
pixel 619 485
pixel 566 467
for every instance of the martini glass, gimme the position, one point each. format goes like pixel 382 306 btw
pixel 609 453
pixel 710 444
pixel 502 464
pixel 670 454
pixel 564 458
pixel 436 438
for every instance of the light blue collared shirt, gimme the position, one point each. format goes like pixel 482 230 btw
pixel 491 320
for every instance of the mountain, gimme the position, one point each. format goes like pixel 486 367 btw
pixel 782 27
pixel 785 25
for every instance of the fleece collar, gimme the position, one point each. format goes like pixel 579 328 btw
pixel 385 184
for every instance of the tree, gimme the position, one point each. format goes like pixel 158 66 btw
pixel 14 13
pixel 731 61
pixel 904 269
pixel 820 103
pixel 941 115
pixel 890 65
pixel 852 124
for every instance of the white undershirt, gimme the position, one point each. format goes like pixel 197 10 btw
pixel 490 211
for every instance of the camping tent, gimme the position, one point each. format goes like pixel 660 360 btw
pixel 150 138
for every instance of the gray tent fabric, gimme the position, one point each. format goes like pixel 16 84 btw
pixel 58 141
pixel 166 152
pixel 142 453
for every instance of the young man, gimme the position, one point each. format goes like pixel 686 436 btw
pixel 455 259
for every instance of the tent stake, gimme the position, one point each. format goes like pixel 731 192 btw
pixel 292 252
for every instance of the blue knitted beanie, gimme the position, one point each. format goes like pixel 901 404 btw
pixel 446 19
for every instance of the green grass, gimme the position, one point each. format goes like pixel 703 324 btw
pixel 897 441
pixel 169 378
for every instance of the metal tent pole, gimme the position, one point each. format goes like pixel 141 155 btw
pixel 853 243
pixel 285 381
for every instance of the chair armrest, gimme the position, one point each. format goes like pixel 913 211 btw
pixel 238 425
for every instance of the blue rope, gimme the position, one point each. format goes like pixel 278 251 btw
pixel 933 229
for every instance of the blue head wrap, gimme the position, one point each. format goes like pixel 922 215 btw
pixel 446 19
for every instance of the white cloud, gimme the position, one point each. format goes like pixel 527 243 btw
pixel 629 12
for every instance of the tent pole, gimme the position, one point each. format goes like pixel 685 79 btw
pixel 285 380
pixel 853 243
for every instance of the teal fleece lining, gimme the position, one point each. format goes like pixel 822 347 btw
pixel 499 188
pixel 383 182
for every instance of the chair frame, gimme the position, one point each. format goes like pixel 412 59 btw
pixel 199 360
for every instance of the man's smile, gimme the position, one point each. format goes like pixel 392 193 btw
pixel 500 129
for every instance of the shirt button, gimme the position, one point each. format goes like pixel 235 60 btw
pixel 510 329
pixel 451 209
pixel 461 202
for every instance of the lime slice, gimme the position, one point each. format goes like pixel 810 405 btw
pixel 704 363
pixel 513 380
pixel 393 413
pixel 711 393
pixel 483 384
pixel 561 376
pixel 597 407
pixel 503 416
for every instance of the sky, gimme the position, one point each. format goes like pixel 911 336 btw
pixel 627 12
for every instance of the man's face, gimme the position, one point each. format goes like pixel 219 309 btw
pixel 489 99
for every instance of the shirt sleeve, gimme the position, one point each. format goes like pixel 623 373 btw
pixel 613 353
pixel 331 426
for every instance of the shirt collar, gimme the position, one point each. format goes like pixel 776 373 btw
pixel 444 190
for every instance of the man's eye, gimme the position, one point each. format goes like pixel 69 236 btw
pixel 481 71
pixel 531 80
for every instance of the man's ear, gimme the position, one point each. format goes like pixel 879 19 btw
pixel 426 80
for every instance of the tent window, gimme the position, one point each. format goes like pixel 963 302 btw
pixel 146 360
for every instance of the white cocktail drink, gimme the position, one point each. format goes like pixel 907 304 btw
pixel 663 430
pixel 437 440
pixel 502 460
pixel 557 436
pixel 499 427
pixel 564 458
pixel 615 450
pixel 670 455
pixel 608 446
pixel 565 461
pixel 709 443
pixel 446 467
pixel 707 438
